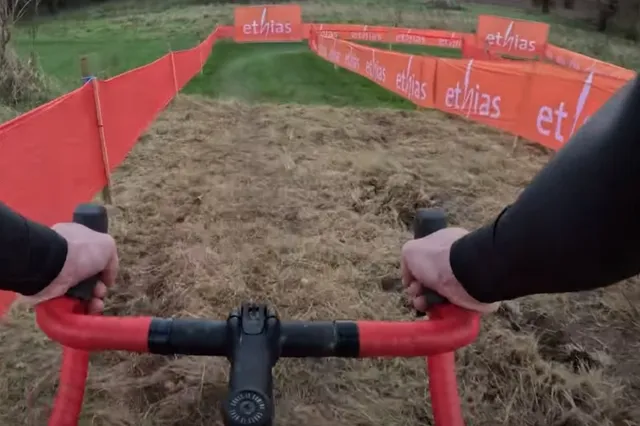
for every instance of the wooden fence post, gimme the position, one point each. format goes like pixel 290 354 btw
pixel 516 139
pixel 201 58
pixel 173 70
pixel 88 78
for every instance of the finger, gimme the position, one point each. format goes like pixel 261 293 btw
pixel 109 274
pixel 406 274
pixel 415 289
pixel 487 308
pixel 96 306
pixel 420 303
pixel 100 290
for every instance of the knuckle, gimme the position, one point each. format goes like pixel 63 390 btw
pixel 407 247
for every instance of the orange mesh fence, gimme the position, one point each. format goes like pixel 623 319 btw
pixel 149 89
pixel 391 35
pixel 51 157
pixel 568 59
pixel 542 102
pixel 480 90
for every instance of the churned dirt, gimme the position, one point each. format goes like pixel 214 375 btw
pixel 307 208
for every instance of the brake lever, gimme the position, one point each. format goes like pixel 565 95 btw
pixel 426 222
pixel 93 216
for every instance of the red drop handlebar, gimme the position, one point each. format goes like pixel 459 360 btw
pixel 253 338
pixel 448 328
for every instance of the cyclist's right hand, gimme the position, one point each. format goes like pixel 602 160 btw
pixel 425 263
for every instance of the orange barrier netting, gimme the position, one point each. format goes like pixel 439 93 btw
pixel 52 157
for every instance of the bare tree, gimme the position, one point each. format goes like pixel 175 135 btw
pixel 11 11
pixel 627 19
pixel 607 9
pixel 544 4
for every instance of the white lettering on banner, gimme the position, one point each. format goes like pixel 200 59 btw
pixel 352 60
pixel 409 38
pixel 266 27
pixel 334 55
pixel 327 33
pixel 453 42
pixel 560 60
pixel 474 101
pixel 373 69
pixel 551 119
pixel 409 84
pixel 365 35
pixel 510 41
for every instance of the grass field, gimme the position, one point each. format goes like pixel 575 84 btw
pixel 256 72
pixel 122 35
pixel 278 178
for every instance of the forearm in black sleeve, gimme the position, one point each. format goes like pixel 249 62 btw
pixel 576 226
pixel 31 255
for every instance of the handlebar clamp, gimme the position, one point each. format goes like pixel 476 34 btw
pixel 253 341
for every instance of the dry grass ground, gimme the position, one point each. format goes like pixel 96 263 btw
pixel 306 208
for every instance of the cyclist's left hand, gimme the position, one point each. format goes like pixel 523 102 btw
pixel 88 253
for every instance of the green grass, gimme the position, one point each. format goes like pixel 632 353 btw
pixel 113 43
pixel 415 49
pixel 106 59
pixel 286 73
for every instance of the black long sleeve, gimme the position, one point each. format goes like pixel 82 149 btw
pixel 31 255
pixel 576 226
